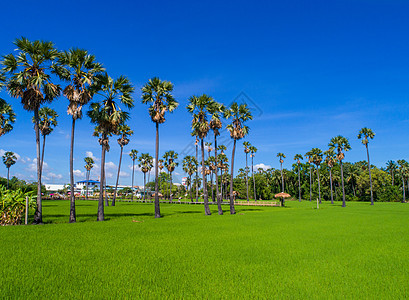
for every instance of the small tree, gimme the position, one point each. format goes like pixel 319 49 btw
pixel 134 155
pixel 9 159
pixel 365 134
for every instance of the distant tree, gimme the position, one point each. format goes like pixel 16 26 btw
pixel 403 170
pixel 341 144
pixel 391 167
pixel 253 151
pixel 317 159
pixel 281 157
pixel 190 166
pixel 330 161
pixel 239 115
pixel 89 164
pixel 145 164
pixel 7 117
pixel 9 159
pixel 222 165
pixel 170 163
pixel 247 146
pixel 298 158
pixel 134 155
pixel 365 134
pixel 159 94
pixel 124 131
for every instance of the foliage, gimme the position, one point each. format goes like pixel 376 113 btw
pixel 13 205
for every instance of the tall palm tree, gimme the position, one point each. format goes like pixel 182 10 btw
pixel 78 68
pixel 391 167
pixel 201 107
pixel 145 164
pixel 124 131
pixel 215 125
pixel 365 134
pixel 159 94
pixel 9 159
pixel 330 161
pixel 309 155
pixel 247 146
pixel 298 158
pixel 170 158
pixel 403 170
pixel 317 159
pixel 222 160
pixel 30 80
pixel 239 114
pixel 253 151
pixel 210 165
pixel 47 123
pixel 134 155
pixel 107 115
pixel 197 181
pixel 190 166
pixel 281 157
pixel 89 164
pixel 341 144
pixel 7 117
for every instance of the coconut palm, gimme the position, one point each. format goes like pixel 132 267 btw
pixel 316 156
pixel 7 117
pixel 47 123
pixel 108 116
pixel 170 158
pixel 200 107
pixel 281 157
pixel 330 161
pixel 30 80
pixel 247 146
pixel 365 134
pixel 124 131
pixel 89 164
pixel 158 93
pixel 341 144
pixel 190 166
pixel 253 151
pixel 239 114
pixel 391 167
pixel 134 155
pixel 78 68
pixel 298 158
pixel 145 164
pixel 9 159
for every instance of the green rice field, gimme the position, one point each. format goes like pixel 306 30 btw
pixel 293 252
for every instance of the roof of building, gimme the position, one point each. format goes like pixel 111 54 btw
pixel 89 181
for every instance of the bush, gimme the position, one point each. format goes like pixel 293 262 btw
pixel 13 205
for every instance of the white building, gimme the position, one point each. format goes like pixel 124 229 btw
pixel 81 187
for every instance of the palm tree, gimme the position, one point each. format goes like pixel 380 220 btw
pixel 210 165
pixel 341 144
pixel 48 120
pixel 365 134
pixel 215 125
pixel 9 159
pixel 239 114
pixel 31 82
pixel 298 158
pixel 197 181
pixel 108 117
pixel 145 164
pixel 89 164
pixel 391 167
pixel 134 155
pixel 281 156
pixel 317 159
pixel 330 161
pixel 170 158
pixel 158 93
pixel 403 170
pixel 124 131
pixel 308 155
pixel 7 117
pixel 222 160
pixel 253 151
pixel 78 68
pixel 190 166
pixel 247 146
pixel 201 107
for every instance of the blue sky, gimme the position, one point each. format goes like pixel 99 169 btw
pixel 314 70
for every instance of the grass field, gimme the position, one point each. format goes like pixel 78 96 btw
pixel 359 252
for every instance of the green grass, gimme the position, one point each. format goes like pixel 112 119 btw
pixel 262 252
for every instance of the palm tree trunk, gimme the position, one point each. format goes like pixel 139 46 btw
pixel 310 183
pixel 105 192
pixel 87 178
pixel 247 180
pixel 393 177
pixel 343 186
pixel 117 176
pixel 254 181
pixel 190 188
pixel 170 188
pixel 197 177
pixel 8 176
pixel 157 207
pixel 38 214
pixel 72 196
pixel 205 196
pixel 219 202
pixel 144 186
pixel 370 177
pixel 133 174
pixel 232 209
pixel 330 180
pixel 282 184
pixel 403 189
pixel 353 188
pixel 221 184
pixel 319 185
pixel 100 216
pixel 42 156
pixel 299 184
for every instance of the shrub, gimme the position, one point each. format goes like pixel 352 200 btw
pixel 13 205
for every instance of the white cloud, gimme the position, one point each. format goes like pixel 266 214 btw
pixel 123 174
pixel 110 166
pixel 261 166
pixel 109 175
pixel 79 173
pixel 33 166
pixel 90 154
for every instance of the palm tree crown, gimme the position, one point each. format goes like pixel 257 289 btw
pixel 341 144
pixel 365 134
pixel 7 117
pixel 9 159
pixel 239 114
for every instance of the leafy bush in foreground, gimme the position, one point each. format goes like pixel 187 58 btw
pixel 13 205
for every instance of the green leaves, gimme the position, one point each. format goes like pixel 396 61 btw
pixel 7 117
pixel 239 114
pixel 13 204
